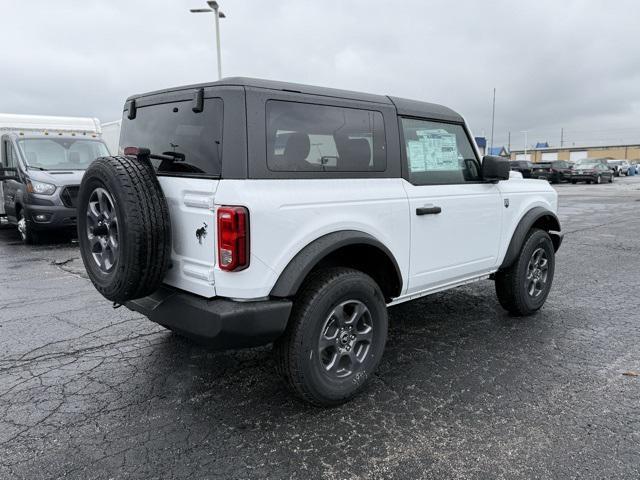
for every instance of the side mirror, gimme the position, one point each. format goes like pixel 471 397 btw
pixel 8 174
pixel 495 169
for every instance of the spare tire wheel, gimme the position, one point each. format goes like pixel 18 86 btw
pixel 124 229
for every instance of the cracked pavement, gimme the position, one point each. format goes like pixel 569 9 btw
pixel 463 391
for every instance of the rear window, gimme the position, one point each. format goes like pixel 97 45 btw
pixel 319 138
pixel 174 129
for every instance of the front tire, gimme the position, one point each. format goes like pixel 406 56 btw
pixel 335 337
pixel 523 287
pixel 27 235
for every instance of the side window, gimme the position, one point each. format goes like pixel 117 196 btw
pixel 306 137
pixel 438 153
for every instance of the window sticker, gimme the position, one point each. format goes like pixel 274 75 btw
pixel 440 150
pixel 416 157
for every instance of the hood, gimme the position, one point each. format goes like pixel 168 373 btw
pixel 58 178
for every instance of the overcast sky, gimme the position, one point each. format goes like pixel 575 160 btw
pixel 571 64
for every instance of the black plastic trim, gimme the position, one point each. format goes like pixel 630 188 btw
pixel 306 259
pixel 525 224
pixel 217 323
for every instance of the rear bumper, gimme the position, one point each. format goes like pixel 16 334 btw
pixel 47 217
pixel 218 323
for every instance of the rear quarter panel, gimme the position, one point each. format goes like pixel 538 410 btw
pixel 287 215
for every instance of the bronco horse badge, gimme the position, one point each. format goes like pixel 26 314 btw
pixel 201 232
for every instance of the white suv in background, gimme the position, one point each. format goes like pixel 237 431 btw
pixel 244 212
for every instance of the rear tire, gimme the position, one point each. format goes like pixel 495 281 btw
pixel 523 287
pixel 335 337
pixel 573 182
pixel 123 228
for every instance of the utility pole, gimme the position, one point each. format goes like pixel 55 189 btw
pixel 525 142
pixel 561 137
pixel 493 117
pixel 509 143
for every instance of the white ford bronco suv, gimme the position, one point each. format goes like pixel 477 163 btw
pixel 244 212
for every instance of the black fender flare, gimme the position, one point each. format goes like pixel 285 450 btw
pixel 548 220
pixel 306 259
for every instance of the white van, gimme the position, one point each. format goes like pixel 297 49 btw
pixel 42 161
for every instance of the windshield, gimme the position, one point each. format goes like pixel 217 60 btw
pixel 61 153
pixel 586 164
pixel 614 162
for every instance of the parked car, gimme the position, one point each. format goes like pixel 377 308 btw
pixel 298 214
pixel 555 172
pixel 41 164
pixel 592 170
pixel 523 166
pixel 619 167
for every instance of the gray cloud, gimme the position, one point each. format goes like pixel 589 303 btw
pixel 571 64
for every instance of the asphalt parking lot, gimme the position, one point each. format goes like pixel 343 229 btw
pixel 464 390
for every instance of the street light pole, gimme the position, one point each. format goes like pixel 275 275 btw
pixel 214 5
pixel 218 14
pixel 525 142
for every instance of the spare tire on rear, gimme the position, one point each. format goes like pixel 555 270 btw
pixel 124 228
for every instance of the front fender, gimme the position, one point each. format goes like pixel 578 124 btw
pixel 536 216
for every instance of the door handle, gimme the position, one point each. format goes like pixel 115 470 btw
pixel 428 210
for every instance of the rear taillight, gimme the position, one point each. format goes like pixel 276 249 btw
pixel 233 238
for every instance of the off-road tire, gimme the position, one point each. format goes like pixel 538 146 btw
pixel 510 282
pixel 144 228
pixel 297 360
pixel 28 236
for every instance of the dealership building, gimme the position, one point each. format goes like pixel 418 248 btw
pixel 545 153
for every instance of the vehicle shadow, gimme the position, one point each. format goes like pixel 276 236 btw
pixel 436 346
pixel 10 236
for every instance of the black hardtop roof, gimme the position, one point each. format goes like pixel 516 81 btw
pixel 403 106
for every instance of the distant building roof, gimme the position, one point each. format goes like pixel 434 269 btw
pixel 542 145
pixel 580 146
pixel 481 142
pixel 496 150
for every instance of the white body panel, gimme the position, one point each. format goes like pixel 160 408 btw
pixel 461 241
pixel 466 242
pixel 287 215
pixel 523 195
pixel 191 206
